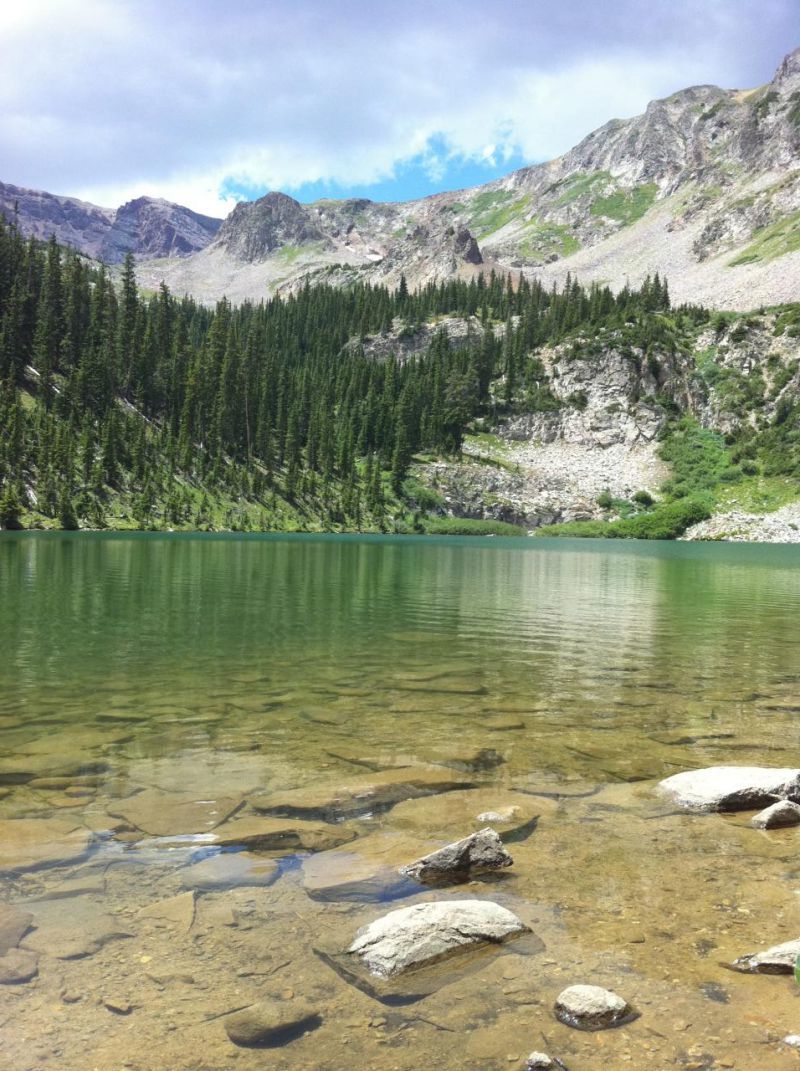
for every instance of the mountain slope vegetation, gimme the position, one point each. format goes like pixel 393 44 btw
pixel 122 410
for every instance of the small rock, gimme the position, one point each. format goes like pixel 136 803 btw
pixel 479 851
pixel 117 1005
pixel 18 965
pixel 540 1061
pixel 780 959
pixel 793 1040
pixel 783 813
pixel 271 1023
pixel 14 924
pixel 426 933
pixel 589 1007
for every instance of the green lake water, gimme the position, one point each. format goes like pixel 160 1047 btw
pixel 157 692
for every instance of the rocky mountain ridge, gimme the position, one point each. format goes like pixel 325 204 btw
pixel 147 226
pixel 704 187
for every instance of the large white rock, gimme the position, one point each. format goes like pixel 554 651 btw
pixel 590 1007
pixel 731 788
pixel 780 959
pixel 425 933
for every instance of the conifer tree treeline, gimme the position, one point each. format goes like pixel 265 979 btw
pixel 102 387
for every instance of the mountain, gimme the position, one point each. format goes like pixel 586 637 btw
pixel 147 227
pixel 703 188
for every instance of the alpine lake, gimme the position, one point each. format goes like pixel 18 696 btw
pixel 217 751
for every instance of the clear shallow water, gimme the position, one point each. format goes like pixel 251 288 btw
pixel 215 671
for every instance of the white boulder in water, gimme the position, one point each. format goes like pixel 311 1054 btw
pixel 426 933
pixel 731 788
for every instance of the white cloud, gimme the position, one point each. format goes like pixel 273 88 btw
pixel 111 100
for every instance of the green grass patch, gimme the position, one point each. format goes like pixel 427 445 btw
pixel 288 254
pixel 544 238
pixel 760 494
pixel 700 461
pixel 463 526
pixel 490 211
pixel 772 241
pixel 626 206
pixel 579 184
pixel 666 521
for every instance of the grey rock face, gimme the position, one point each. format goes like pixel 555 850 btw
pixel 780 959
pixel 417 936
pixel 731 788
pixel 271 1023
pixel 254 229
pixel 479 851
pixel 146 227
pixel 777 816
pixel 466 247
pixel 589 1007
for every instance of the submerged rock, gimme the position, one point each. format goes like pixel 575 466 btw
pixel 479 851
pixel 166 814
pixel 18 965
pixel 417 936
pixel 177 910
pixel 282 834
pixel 590 1007
pixel 229 870
pixel 778 815
pixel 31 843
pixel 780 959
pixel 271 1023
pixel 731 788
pixel 363 871
pixel 512 814
pixel 14 924
pixel 376 792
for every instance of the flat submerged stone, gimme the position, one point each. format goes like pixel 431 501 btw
pixel 31 843
pixel 166 814
pixel 229 870
pixel 423 934
pixel 731 788
pixel 260 833
pixel 376 792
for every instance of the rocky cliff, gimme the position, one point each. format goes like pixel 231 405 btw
pixel 147 227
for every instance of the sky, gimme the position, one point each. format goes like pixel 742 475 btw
pixel 207 103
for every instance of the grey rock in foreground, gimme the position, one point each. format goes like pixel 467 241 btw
pixel 271 1023
pixel 479 851
pixel 780 959
pixel 426 933
pixel 589 1007
pixel 731 788
pixel 778 815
